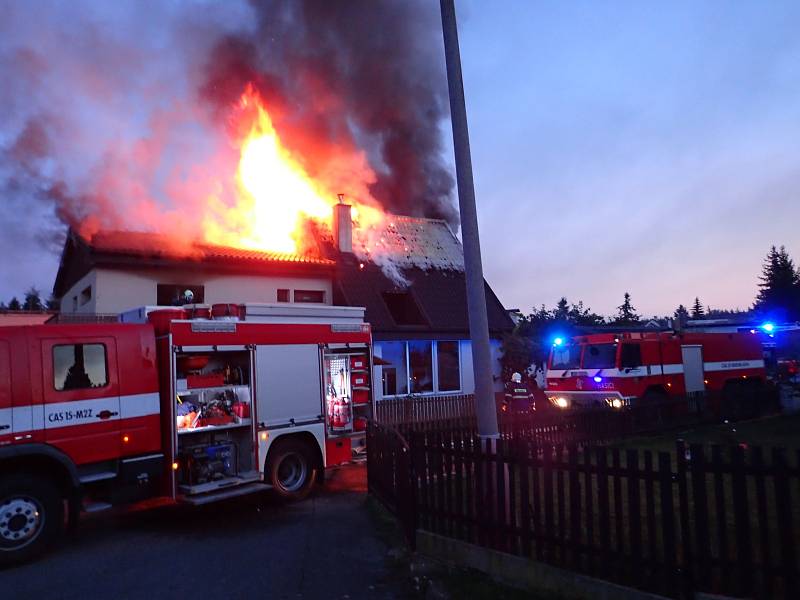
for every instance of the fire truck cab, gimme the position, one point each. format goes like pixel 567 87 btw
pixel 187 405
pixel 621 369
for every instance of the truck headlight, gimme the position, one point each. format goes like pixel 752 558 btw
pixel 616 403
pixel 562 402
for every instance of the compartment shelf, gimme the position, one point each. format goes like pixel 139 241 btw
pixel 207 428
pixel 217 484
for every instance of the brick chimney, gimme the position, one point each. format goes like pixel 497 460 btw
pixel 342 226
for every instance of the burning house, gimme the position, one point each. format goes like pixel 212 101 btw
pixel 214 164
pixel 408 275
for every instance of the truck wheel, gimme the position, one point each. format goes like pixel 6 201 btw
pixel 291 470
pixel 31 517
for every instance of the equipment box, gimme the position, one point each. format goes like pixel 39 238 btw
pixel 214 426
pixel 359 362
pixel 347 392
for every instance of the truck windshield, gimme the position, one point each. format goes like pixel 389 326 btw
pixel 600 356
pixel 566 357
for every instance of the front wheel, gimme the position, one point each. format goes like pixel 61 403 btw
pixel 291 470
pixel 31 517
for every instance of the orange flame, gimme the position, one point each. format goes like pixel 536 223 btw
pixel 275 194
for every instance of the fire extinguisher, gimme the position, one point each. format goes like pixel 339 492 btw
pixel 341 414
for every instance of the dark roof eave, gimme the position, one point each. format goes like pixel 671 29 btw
pixel 230 265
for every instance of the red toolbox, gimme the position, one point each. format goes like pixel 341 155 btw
pixel 241 409
pixel 361 396
pixel 359 379
pixel 359 362
pixel 338 451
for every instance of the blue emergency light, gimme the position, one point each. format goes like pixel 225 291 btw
pixel 559 341
pixel 768 327
pixel 597 378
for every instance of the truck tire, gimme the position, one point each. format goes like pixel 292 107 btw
pixel 31 517
pixel 291 470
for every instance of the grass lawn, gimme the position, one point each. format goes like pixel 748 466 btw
pixel 779 430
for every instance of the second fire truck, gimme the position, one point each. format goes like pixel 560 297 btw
pixel 622 369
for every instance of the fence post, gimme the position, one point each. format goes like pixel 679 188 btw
pixel 744 553
pixel 665 479
pixel 687 566
pixel 784 514
pixel 702 576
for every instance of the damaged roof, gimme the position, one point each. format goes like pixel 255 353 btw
pixel 411 242
pixel 161 245
pixel 126 249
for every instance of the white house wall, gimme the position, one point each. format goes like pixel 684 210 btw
pixel 71 301
pixel 116 291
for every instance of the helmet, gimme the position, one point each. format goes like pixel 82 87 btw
pixel 516 378
pixel 188 296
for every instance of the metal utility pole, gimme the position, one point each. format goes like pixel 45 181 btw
pixel 476 296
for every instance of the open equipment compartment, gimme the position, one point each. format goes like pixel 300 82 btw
pixel 347 397
pixel 214 414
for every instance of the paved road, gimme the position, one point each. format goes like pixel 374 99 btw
pixel 252 547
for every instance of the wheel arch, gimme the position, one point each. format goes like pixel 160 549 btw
pixel 304 437
pixel 44 460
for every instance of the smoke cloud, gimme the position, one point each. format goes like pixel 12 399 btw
pixel 113 115
pixel 360 74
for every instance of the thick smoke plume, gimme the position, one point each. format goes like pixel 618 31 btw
pixel 114 115
pixel 358 73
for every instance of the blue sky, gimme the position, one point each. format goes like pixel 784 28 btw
pixel 641 147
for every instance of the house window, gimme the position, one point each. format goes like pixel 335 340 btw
pixel 403 308
pixel 79 366
pixel 448 364
pixel 74 303
pixel 86 295
pixel 283 295
pixel 316 296
pixel 420 363
pixel 395 373
pixel 174 294
pixel 420 367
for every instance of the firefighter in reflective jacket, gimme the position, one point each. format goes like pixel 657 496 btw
pixel 518 396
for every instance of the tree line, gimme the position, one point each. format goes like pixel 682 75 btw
pixel 31 301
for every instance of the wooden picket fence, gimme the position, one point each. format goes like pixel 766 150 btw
pixel 457 410
pixel 720 519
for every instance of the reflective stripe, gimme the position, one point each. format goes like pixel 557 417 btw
pixel 139 405
pixel 23 419
pixel 672 369
pixel 78 412
pixel 730 365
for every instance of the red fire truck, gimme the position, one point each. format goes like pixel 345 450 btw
pixel 190 407
pixel 620 369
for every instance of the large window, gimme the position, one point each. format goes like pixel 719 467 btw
pixel 79 366
pixel 448 362
pixel 403 308
pixel 566 357
pixel 395 372
pixel 600 356
pixel 420 367
pixel 420 360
